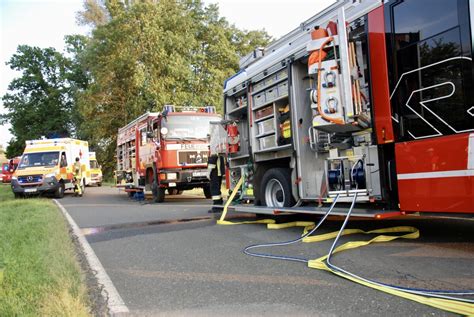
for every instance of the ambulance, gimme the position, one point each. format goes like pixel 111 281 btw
pixel 96 172
pixel 46 167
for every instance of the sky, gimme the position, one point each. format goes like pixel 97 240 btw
pixel 44 23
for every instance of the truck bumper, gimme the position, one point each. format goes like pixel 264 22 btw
pixel 49 185
pixel 96 180
pixel 186 179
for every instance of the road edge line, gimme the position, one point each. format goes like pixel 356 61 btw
pixel 114 301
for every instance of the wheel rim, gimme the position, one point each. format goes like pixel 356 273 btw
pixel 274 194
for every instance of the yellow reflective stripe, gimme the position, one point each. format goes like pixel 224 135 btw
pixel 43 149
pixel 410 233
pixel 216 197
pixel 211 166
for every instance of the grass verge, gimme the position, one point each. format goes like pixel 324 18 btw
pixel 39 273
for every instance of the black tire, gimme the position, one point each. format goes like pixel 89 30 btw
pixel 158 193
pixel 59 193
pixel 207 191
pixel 18 195
pixel 99 184
pixel 179 192
pixel 276 188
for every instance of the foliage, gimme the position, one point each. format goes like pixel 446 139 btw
pixel 152 53
pixel 42 101
pixel 39 273
pixel 140 56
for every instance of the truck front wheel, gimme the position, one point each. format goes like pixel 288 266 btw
pixel 59 193
pixel 276 188
pixel 158 192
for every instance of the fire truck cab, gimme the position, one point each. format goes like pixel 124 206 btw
pixel 165 152
pixel 369 97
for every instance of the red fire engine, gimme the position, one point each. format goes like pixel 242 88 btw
pixel 8 169
pixel 369 98
pixel 167 151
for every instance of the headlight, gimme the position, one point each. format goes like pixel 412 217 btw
pixel 50 175
pixel 14 178
pixel 171 176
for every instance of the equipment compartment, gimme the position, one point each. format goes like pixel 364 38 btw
pixel 266 126
pixel 262 113
pixel 267 142
pixel 283 89
pixel 271 93
pixel 259 99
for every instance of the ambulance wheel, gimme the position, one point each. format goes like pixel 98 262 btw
pixel 276 188
pixel 158 193
pixel 207 191
pixel 59 193
pixel 99 184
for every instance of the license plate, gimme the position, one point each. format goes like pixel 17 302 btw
pixel 30 190
pixel 199 174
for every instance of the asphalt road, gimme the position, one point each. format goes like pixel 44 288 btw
pixel 172 259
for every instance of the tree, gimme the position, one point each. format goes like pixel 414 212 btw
pixel 41 102
pixel 152 53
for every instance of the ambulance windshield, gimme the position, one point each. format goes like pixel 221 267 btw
pixel 48 159
pixel 94 164
pixel 188 127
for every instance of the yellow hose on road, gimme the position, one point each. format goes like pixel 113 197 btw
pixel 454 306
pixel 221 221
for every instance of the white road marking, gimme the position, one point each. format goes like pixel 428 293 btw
pixel 115 302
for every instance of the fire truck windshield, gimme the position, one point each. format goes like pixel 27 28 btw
pixel 188 127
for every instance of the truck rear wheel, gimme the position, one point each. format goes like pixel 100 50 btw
pixel 158 192
pixel 276 188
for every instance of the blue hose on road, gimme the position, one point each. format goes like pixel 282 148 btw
pixel 418 291
pixel 283 257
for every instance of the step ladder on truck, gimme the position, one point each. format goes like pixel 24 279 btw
pixel 368 97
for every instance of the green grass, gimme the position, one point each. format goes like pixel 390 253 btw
pixel 39 273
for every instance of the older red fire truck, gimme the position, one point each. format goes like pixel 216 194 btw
pixel 165 151
pixel 369 97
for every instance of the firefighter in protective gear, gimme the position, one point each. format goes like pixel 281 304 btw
pixel 216 167
pixel 77 170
